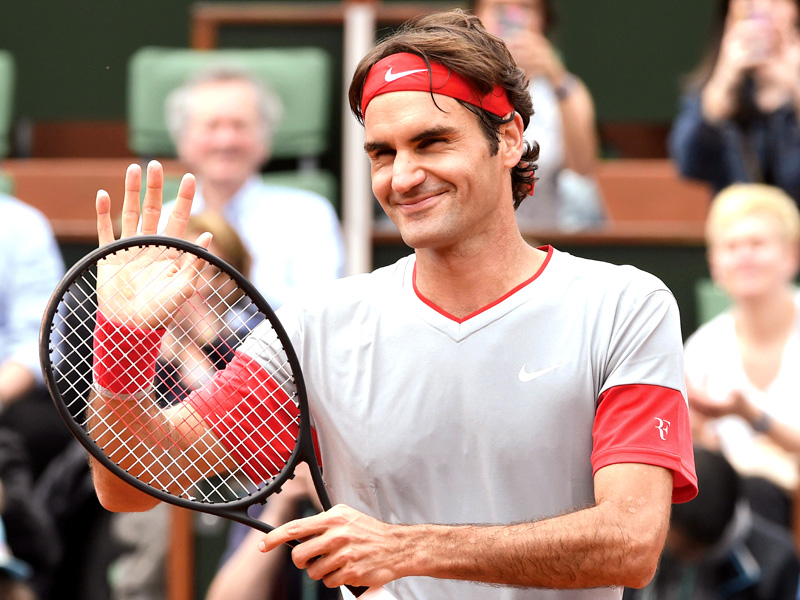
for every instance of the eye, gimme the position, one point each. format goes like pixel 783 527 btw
pixel 380 154
pixel 431 142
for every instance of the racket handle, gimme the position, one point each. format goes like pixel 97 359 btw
pixel 356 590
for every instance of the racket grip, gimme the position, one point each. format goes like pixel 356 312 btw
pixel 356 590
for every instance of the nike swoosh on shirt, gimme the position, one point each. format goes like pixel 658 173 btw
pixel 389 77
pixel 525 376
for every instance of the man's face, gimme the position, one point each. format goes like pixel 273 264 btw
pixel 432 172
pixel 223 142
pixel 751 257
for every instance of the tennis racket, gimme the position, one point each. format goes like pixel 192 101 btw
pixel 178 399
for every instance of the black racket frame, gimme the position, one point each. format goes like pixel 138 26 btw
pixel 235 510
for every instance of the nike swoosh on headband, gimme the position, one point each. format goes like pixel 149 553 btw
pixel 389 76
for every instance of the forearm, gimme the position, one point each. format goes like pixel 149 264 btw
pixel 110 423
pixel 617 542
pixel 780 433
pixel 718 98
pixel 580 550
pixel 578 129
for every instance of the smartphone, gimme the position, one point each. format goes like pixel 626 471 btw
pixel 511 19
pixel 762 42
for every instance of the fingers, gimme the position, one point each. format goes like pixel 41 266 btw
pixel 151 205
pixel 130 204
pixel 298 529
pixel 204 240
pixel 176 225
pixel 105 229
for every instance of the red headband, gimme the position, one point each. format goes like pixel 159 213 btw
pixel 405 72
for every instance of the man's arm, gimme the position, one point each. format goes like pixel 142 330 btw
pixel 170 449
pixel 616 542
pixel 114 494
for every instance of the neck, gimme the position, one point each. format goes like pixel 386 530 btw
pixel 465 280
pixel 766 317
pixel 217 194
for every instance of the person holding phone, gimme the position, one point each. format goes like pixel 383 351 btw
pixel 563 123
pixel 738 120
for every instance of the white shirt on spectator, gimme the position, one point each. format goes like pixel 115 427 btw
pixel 30 269
pixel 293 236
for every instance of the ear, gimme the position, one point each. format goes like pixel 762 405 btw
pixel 512 141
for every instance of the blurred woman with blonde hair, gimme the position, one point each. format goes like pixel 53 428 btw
pixel 742 366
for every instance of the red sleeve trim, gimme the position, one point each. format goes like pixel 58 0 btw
pixel 256 420
pixel 646 424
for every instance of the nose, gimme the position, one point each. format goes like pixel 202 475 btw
pixel 407 173
pixel 226 136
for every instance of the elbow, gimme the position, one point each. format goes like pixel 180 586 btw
pixel 133 502
pixel 115 495
pixel 641 577
pixel 642 563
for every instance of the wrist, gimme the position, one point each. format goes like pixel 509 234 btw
pixel 567 84
pixel 762 423
pixel 718 98
pixel 124 357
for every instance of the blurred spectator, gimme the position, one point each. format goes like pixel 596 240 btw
pixel 28 549
pixel 563 123
pixel 248 574
pixel 741 366
pixel 738 121
pixel 14 573
pixel 222 123
pixel 30 268
pixel 81 528
pixel 718 548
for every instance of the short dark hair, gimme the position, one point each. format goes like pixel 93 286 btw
pixel 457 40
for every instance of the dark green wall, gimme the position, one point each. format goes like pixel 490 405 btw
pixel 633 53
pixel 72 55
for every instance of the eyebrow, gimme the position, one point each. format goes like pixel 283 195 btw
pixel 432 132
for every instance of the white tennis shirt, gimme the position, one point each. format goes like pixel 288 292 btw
pixel 495 418
pixel 500 417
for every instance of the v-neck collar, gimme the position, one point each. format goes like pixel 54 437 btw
pixel 461 327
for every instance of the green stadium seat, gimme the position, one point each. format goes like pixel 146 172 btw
pixel 300 76
pixel 6 114
pixel 6 100
pixel 710 300
pixel 6 184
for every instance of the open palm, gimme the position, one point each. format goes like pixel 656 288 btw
pixel 144 287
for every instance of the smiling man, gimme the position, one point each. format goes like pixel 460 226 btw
pixel 487 412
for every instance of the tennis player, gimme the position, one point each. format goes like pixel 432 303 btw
pixel 487 412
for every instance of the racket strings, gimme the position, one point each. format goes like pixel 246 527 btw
pixel 183 458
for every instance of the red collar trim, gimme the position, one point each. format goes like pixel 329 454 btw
pixel 460 320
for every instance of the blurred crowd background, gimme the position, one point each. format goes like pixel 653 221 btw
pixel 677 106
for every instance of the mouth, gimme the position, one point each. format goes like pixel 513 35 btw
pixel 417 204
